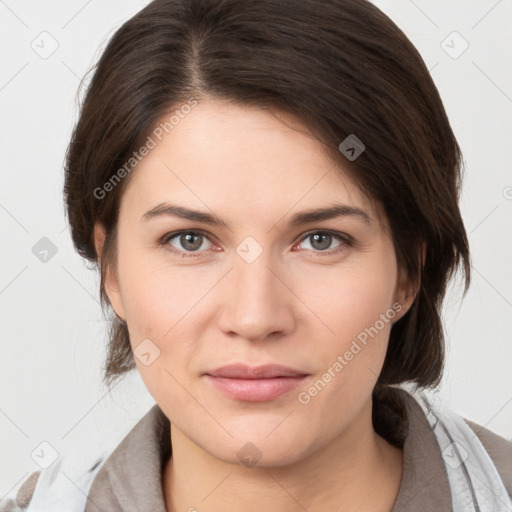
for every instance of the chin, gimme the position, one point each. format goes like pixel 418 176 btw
pixel 256 448
pixel 250 455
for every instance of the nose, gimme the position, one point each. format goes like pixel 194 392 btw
pixel 258 303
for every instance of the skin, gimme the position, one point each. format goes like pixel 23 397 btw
pixel 294 305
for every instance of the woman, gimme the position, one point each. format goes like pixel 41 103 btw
pixel 270 190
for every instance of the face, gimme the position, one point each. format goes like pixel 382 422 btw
pixel 259 287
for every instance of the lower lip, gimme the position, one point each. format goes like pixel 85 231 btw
pixel 255 390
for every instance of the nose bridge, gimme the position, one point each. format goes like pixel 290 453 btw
pixel 257 303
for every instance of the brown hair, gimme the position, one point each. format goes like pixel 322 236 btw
pixel 340 66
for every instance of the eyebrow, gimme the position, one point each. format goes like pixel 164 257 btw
pixel 305 217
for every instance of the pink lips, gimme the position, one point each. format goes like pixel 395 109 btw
pixel 255 384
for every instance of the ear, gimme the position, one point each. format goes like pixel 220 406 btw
pixel 111 280
pixel 405 292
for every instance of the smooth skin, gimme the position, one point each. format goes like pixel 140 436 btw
pixel 205 306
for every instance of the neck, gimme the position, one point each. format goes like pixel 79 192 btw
pixel 358 469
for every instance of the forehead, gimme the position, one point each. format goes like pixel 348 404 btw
pixel 243 159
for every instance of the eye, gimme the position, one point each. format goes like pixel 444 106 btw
pixel 322 240
pixel 185 242
pixel 189 243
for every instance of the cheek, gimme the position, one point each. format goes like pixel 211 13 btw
pixel 163 304
pixel 159 306
pixel 350 354
pixel 355 308
pixel 156 296
pixel 349 299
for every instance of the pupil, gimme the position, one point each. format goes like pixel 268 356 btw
pixel 326 237
pixel 188 242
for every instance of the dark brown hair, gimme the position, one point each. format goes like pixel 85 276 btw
pixel 342 67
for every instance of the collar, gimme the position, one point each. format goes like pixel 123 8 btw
pixel 131 477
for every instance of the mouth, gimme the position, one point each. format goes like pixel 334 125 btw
pixel 255 384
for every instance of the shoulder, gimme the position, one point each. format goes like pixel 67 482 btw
pixel 499 450
pixel 22 498
pixel 61 484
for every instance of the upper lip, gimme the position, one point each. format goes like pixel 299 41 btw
pixel 268 371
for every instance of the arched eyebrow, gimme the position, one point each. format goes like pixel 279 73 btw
pixel 305 217
pixel 332 212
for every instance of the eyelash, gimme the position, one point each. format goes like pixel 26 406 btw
pixel 346 240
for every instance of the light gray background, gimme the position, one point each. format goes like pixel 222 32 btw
pixel 52 331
